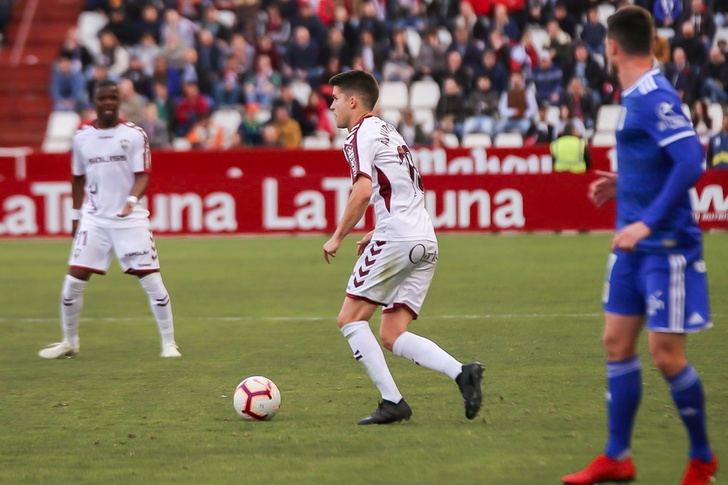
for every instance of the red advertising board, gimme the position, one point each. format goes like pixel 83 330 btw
pixel 280 191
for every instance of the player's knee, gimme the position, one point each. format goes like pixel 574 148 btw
pixel 388 336
pixel 667 361
pixel 344 318
pixel 617 348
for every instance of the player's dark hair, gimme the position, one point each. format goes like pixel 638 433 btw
pixel 106 83
pixel 359 82
pixel 633 29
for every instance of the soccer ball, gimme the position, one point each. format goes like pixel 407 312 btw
pixel 256 398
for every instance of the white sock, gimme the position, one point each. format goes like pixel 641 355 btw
pixel 71 304
pixel 426 353
pixel 161 306
pixel 367 351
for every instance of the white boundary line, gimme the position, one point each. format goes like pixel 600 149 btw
pixel 247 318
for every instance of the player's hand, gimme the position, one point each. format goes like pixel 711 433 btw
pixel 629 236
pixel 330 248
pixel 126 210
pixel 604 188
pixel 74 228
pixel 362 243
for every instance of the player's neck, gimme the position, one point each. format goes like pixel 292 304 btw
pixel 357 117
pixel 106 124
pixel 632 69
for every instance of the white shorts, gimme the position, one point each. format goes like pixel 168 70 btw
pixel 394 274
pixel 134 248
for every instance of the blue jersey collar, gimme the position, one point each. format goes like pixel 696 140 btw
pixel 628 91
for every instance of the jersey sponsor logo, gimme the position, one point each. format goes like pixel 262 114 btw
pixel 136 253
pixel 109 159
pixel 669 119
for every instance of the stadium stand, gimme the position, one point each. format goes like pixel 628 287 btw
pixel 268 54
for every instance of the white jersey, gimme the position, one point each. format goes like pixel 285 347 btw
pixel 374 149
pixel 109 158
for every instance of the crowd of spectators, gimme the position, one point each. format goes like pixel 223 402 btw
pixel 177 61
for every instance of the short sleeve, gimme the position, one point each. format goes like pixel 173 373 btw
pixel 360 152
pixel 664 120
pixel 78 168
pixel 141 157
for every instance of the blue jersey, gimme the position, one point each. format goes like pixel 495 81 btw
pixel 652 120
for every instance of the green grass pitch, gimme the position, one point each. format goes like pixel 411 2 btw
pixel 527 306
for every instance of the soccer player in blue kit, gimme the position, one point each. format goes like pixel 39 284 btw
pixel 656 273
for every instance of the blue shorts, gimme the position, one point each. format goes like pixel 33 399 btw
pixel 671 290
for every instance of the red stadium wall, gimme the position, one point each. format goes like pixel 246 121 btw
pixel 256 191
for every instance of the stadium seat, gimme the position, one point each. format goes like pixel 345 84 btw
pixel 721 33
pixel 263 116
pixel 301 90
pixel 608 117
pixel 476 140
pixel 450 140
pixel 552 115
pixel 393 95
pixel 56 146
pixel 508 140
pixel 444 36
pixel 425 118
pixel 604 10
pixel 424 94
pixel 539 37
pixel 316 142
pixel 181 144
pixel 666 32
pixel 227 18
pixel 61 127
pixel 715 113
pixel 414 41
pixel 392 116
pixel 89 24
pixel 230 120
pixel 604 139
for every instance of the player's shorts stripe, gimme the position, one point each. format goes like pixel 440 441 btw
pixel 86 268
pixel 676 137
pixel 364 298
pixel 396 306
pixel 676 315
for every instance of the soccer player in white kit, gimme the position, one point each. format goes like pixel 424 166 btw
pixel 396 260
pixel 111 165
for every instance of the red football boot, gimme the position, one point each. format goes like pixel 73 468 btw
pixel 700 473
pixel 603 469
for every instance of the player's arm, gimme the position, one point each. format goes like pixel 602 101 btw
pixel 687 165
pixel 141 181
pixel 356 206
pixel 78 182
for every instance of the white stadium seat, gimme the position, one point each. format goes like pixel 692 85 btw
pixel 450 140
pixel 604 139
pixel 508 140
pixel 181 144
pixel 604 10
pixel 715 113
pixel 316 143
pixel 414 41
pixel 61 127
pixel 425 118
pixel 392 116
pixel 226 18
pixel 301 90
pixel 230 120
pixel 89 24
pixel 393 95
pixel 476 140
pixel 424 94
pixel 608 117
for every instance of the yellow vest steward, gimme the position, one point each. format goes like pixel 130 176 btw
pixel 568 154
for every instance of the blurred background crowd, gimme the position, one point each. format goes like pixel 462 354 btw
pixel 216 74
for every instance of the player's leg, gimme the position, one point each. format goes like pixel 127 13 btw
pixel 137 253
pixel 376 275
pixel 682 308
pixel 90 253
pixel 623 320
pixel 353 320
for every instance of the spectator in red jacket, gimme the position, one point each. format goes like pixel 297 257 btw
pixel 190 109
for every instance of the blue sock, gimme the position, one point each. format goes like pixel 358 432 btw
pixel 624 379
pixel 687 392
